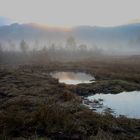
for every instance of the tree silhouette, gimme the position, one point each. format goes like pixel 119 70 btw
pixel 71 42
pixel 23 46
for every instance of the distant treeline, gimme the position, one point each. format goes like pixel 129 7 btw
pixel 24 53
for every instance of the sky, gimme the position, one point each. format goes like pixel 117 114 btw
pixel 68 13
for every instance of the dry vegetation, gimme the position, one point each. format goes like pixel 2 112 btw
pixel 33 105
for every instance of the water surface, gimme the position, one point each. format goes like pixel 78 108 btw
pixel 125 103
pixel 73 77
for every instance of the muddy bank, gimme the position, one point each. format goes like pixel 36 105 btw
pixel 106 86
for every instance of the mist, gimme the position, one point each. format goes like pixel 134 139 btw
pixel 30 43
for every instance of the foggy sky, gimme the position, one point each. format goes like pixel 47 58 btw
pixel 72 12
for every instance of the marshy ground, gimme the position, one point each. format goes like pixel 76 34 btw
pixel 34 105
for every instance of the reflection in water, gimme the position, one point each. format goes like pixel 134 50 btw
pixel 125 103
pixel 73 77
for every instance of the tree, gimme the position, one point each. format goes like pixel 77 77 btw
pixel 11 45
pixel 23 46
pixel 52 48
pixel 83 48
pixel 71 42
pixel 36 45
pixel 1 53
pixel 1 48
